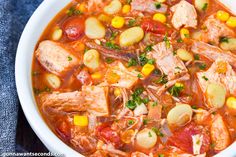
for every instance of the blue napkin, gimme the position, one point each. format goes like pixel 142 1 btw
pixel 13 16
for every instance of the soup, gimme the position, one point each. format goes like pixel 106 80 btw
pixel 139 78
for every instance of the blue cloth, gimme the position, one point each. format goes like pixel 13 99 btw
pixel 13 16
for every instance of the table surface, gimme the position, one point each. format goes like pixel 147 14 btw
pixel 25 136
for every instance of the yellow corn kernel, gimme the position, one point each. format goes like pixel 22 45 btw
pixel 222 15
pixel 57 34
pixel 177 84
pixel 126 9
pixel 80 120
pixel 104 18
pixel 231 22
pixel 231 103
pixel 118 22
pixel 184 33
pixel 147 69
pixel 112 77
pixel 161 1
pixel 159 17
pixel 221 67
pixel 117 92
pixel 96 76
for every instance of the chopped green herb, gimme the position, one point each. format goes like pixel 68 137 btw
pixel 179 40
pixel 112 45
pixel 148 48
pixel 131 104
pixel 202 66
pixel 163 79
pixel 154 104
pixel 174 52
pixel 196 57
pixel 157 72
pixel 204 8
pixel 143 59
pixel 176 89
pixel 130 122
pixel 205 78
pixel 161 155
pixel 157 131
pixel 151 61
pixel 114 35
pixel 72 11
pixel 149 134
pixel 224 39
pixel 85 50
pixel 145 100
pixel 166 40
pixel 109 60
pixel 212 145
pixel 140 75
pixel 194 107
pixel 186 35
pixel 69 58
pixel 158 5
pixel 145 121
pixel 132 62
pixel 36 91
pixel 131 22
pixel 178 68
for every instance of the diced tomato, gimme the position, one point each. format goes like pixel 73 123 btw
pixel 190 1
pixel 74 28
pixel 153 26
pixel 182 138
pixel 106 134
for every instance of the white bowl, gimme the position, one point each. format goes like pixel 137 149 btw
pixel 30 36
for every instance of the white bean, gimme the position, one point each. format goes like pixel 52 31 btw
pixel 53 80
pixel 94 28
pixel 131 36
pixel 140 110
pixel 184 55
pixel 146 138
pixel 180 115
pixel 57 34
pixel 92 59
pixel 215 95
pixel 201 5
pixel 230 45
pixel 113 8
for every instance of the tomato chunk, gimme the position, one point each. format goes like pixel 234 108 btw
pixel 153 26
pixel 106 134
pixel 74 28
pixel 182 138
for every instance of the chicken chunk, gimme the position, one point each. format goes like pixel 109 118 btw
pixel 220 72
pixel 119 76
pixel 68 102
pixel 96 98
pixel 147 6
pixel 55 58
pixel 214 29
pixel 213 52
pixel 219 133
pixel 169 64
pixel 184 14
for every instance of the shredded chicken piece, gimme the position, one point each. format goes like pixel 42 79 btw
pixel 111 149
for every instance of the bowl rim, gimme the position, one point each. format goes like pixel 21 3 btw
pixel 24 82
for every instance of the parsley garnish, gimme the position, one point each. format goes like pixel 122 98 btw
pixel 157 131
pixel 113 35
pixel 194 107
pixel 154 104
pixel 145 121
pixel 196 57
pixel 179 40
pixel 130 122
pixel 166 40
pixel 69 58
pixel 176 89
pixel 149 134
pixel 132 62
pixel 158 5
pixel 112 45
pixel 38 91
pixel 131 22
pixel 148 48
pixel 109 60
pixel 128 1
pixel 205 78
pixel 162 80
pixel 143 60
pixel 161 155
pixel 140 76
pixel 202 66
pixel 204 8
pixel 72 11
pixel 224 39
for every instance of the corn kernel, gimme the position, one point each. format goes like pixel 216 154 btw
pixel 177 84
pixel 222 15
pixel 80 120
pixel 118 22
pixel 159 17
pixel 126 9
pixel 231 103
pixel 104 18
pixel 112 77
pixel 117 92
pixel 221 67
pixel 184 33
pixel 161 1
pixel 96 76
pixel 231 22
pixel 81 7
pixel 147 69
pixel 57 34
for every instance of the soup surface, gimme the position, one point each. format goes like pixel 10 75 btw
pixel 139 78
